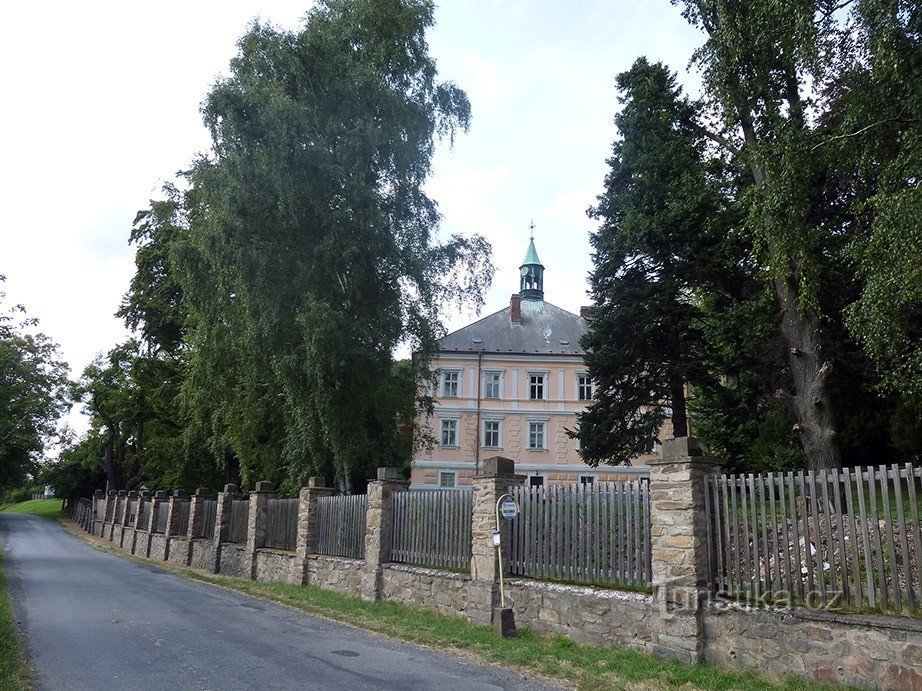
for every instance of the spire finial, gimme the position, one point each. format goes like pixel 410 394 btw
pixel 531 229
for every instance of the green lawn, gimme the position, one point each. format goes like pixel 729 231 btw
pixel 15 672
pixel 50 508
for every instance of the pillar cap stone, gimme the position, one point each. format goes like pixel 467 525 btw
pixel 132 494
pixel 230 489
pixel 99 494
pixel 145 493
pixel 160 494
pixel 497 466
pixel 180 494
pixel 316 481
pixel 684 450
pixel 203 493
pixel 392 474
pixel 122 493
pixel 112 492
pixel 264 486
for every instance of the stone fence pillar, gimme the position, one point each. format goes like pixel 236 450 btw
pixel 96 525
pixel 109 518
pixel 223 521
pixel 306 542
pixel 197 512
pixel 378 529
pixel 679 547
pixel 223 516
pixel 256 521
pixel 496 476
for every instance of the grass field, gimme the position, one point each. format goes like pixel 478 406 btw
pixel 15 672
pixel 50 508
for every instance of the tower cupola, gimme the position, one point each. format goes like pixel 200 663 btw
pixel 531 273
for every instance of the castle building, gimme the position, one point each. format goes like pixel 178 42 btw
pixel 511 384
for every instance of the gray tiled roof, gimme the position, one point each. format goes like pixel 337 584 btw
pixel 545 328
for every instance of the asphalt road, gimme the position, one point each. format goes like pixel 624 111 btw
pixel 93 620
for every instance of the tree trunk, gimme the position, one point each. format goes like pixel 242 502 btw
pixel 679 409
pixel 811 401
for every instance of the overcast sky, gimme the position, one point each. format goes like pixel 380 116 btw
pixel 101 106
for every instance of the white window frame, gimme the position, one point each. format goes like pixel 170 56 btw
pixel 457 431
pixel 579 386
pixel 453 474
pixel 499 383
pixel 544 385
pixel 444 382
pixel 499 433
pixel 543 446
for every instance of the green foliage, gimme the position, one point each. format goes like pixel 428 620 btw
pixel 77 473
pixel 310 253
pixel 15 672
pixel 33 381
pixel 659 242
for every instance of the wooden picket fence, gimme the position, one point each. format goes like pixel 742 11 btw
pixel 185 508
pixel 432 528
pixel 341 525
pixel 209 518
pixel 163 510
pixel 282 523
pixel 145 510
pixel 132 511
pixel 240 517
pixel 583 533
pixel 846 538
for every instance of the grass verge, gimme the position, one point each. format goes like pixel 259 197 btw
pixel 554 658
pixel 15 671
pixel 50 508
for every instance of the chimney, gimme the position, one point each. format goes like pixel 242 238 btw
pixel 515 308
pixel 584 311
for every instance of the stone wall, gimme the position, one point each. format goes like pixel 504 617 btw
pixel 274 565
pixel 862 651
pixel 202 554
pixel 597 616
pixel 234 561
pixel 676 620
pixel 127 543
pixel 157 549
pixel 445 592
pixel 141 545
pixel 335 573
pixel 178 551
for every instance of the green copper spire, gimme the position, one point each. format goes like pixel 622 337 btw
pixel 531 272
pixel 531 256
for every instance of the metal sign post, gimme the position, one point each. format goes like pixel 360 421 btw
pixel 508 508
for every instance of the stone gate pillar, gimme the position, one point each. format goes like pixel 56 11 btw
pixel 496 476
pixel 222 522
pixel 378 529
pixel 679 546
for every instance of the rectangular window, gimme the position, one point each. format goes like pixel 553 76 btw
pixel 584 388
pixel 587 479
pixel 491 434
pixel 492 383
pixel 536 387
pixel 449 432
pixel 535 481
pixel 450 382
pixel 448 479
pixel 535 435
